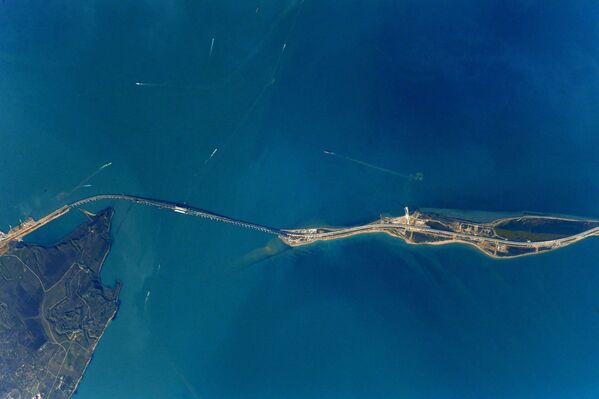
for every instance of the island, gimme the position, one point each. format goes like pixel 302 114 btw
pixel 53 310
pixel 508 237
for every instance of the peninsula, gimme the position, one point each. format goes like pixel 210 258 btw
pixel 53 311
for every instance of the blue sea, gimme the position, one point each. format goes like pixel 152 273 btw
pixel 494 102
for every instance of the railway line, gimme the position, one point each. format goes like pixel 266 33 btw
pixel 178 208
pixel 28 226
pixel 400 227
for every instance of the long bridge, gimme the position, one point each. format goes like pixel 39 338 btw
pixel 402 226
pixel 178 208
pixel 28 226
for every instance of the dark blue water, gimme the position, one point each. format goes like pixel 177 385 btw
pixel 493 102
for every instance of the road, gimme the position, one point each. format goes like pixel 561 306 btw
pixel 297 237
pixel 307 236
pixel 30 225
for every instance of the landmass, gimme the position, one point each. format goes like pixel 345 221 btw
pixel 53 310
pixel 503 238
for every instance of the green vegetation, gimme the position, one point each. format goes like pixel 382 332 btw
pixel 525 235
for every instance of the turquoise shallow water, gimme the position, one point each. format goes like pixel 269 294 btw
pixel 493 102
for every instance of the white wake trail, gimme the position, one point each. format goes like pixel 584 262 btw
pixel 417 176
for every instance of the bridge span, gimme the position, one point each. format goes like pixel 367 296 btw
pixel 179 208
pixel 405 227
pixel 28 226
